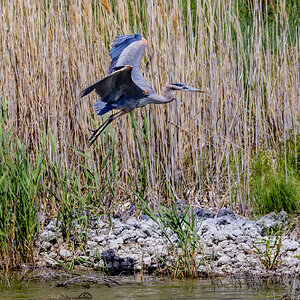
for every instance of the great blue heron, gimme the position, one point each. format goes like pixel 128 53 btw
pixel 125 87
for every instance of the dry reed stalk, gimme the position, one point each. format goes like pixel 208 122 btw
pixel 199 144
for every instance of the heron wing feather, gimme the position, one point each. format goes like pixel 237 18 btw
pixel 115 86
pixel 119 44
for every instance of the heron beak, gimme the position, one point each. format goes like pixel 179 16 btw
pixel 191 89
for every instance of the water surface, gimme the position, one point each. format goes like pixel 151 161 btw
pixel 186 289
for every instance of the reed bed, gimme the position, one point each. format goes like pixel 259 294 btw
pixel 245 54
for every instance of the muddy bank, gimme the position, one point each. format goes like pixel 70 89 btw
pixel 128 246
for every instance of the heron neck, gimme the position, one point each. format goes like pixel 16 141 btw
pixel 167 97
pixel 168 93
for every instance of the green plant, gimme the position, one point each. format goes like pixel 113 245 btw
pixel 69 265
pixel 275 188
pixel 182 222
pixel 268 249
pixel 141 139
pixel 66 192
pixel 290 153
pixel 245 53
pixel 20 183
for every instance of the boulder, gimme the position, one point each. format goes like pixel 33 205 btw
pixel 203 214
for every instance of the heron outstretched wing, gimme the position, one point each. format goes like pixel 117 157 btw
pixel 116 85
pixel 129 50
pixel 125 77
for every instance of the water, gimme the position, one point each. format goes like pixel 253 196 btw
pixel 185 289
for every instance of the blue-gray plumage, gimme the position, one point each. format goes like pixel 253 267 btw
pixel 125 87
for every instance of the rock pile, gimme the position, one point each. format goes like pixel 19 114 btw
pixel 127 246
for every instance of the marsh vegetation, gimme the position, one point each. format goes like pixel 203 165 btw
pixel 238 145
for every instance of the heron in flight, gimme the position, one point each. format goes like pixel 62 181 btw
pixel 125 88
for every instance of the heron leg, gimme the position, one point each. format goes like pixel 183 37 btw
pixel 101 126
pixel 98 131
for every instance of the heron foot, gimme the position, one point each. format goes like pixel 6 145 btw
pixel 97 132
pixel 92 130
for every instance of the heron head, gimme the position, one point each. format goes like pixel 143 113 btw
pixel 185 88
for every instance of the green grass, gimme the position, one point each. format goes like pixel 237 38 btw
pixel 268 249
pixel 275 15
pixel 33 183
pixel 276 180
pixel 245 54
pixel 20 183
pixel 181 221
pixel 141 137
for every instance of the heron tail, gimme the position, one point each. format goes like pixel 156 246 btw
pixel 102 108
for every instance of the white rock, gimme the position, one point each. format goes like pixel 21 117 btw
pixel 290 261
pixel 91 244
pixel 51 226
pixel 99 265
pixel 245 247
pixel 46 245
pixel 150 250
pixel 208 243
pixel 118 230
pixel 297 252
pixel 141 233
pixel 120 240
pixel 241 257
pixel 202 269
pixel 146 228
pixel 231 250
pixel 129 236
pixel 220 236
pixel 91 234
pixel 136 257
pixel 99 238
pixel 50 261
pixel 103 243
pixel 161 241
pixel 133 222
pixel 216 251
pixel 161 250
pixel 234 234
pixel 224 259
pixel 60 239
pixel 101 224
pixel 150 241
pixel 147 259
pixel 290 245
pixel 53 254
pixel 242 239
pixel 223 244
pixel 114 245
pixel 65 253
pixel 253 232
pixel 48 236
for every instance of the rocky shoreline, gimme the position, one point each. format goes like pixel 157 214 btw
pixel 131 245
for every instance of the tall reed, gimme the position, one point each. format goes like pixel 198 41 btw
pixel 19 188
pixel 244 53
